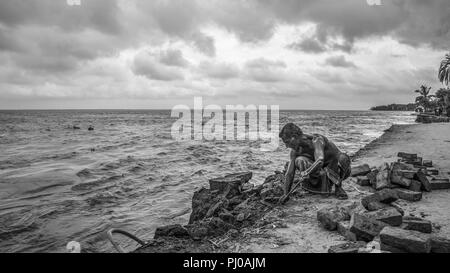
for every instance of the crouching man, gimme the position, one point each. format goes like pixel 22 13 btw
pixel 318 158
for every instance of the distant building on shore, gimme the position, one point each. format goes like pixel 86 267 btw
pixel 395 107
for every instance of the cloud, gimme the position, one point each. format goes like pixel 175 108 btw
pixel 145 65
pixel 339 61
pixel 308 46
pixel 264 70
pixel 219 70
pixel 173 57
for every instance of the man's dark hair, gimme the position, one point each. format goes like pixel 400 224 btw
pixel 290 130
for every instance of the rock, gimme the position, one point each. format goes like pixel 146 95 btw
pixel 408 174
pixel 350 247
pixel 426 186
pixel 240 217
pixel 415 186
pixel 440 183
pixel 171 231
pixel 440 245
pixel 408 240
pixel 432 171
pixel 383 177
pixel 373 206
pixel 214 209
pixel 391 249
pixel 230 183
pixel 385 196
pixel 360 170
pixel 417 224
pixel 398 172
pixel 372 176
pixel 398 208
pixel 76 127
pixel 363 181
pixel 227 217
pixel 427 163
pixel 388 215
pixel 91 128
pixel 202 201
pixel 343 228
pixel 365 227
pixel 330 216
pixel 408 195
pixel 407 156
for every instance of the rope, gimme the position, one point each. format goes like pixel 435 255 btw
pixel 127 234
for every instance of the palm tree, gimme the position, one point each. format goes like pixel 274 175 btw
pixel 444 70
pixel 425 98
pixel 444 77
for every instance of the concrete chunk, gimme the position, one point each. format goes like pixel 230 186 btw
pixel 383 177
pixel 360 170
pixel 408 240
pixel 427 163
pixel 365 227
pixel 385 196
pixel 440 245
pixel 343 228
pixel 440 183
pixel 363 181
pixel 330 216
pixel 388 215
pixel 407 156
pixel 417 224
pixel 408 195
pixel 231 182
pixel 424 180
pixel 415 186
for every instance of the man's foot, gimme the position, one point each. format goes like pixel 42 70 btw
pixel 341 194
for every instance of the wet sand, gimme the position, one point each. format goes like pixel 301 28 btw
pixel 297 228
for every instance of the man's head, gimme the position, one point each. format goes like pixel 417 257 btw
pixel 291 135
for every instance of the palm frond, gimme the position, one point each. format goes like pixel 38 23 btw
pixel 444 70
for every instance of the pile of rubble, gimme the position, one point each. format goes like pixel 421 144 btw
pixel 409 176
pixel 228 205
pixel 378 223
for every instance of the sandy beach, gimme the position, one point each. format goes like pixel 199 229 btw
pixel 296 228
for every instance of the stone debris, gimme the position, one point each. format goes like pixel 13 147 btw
pixel 329 217
pixel 412 196
pixel 383 177
pixel 387 215
pixel 385 196
pixel 343 228
pixel 365 227
pixel 360 170
pixel 439 183
pixel 440 245
pixel 407 240
pixel 417 224
pixel 363 181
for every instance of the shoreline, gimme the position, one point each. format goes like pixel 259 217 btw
pixel 293 228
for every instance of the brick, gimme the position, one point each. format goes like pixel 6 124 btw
pixel 417 224
pixel 343 228
pixel 440 183
pixel 408 174
pixel 415 186
pixel 432 171
pixel 329 217
pixel 360 170
pixel 231 182
pixel 407 156
pixel 387 215
pixel 408 240
pixel 440 245
pixel 372 176
pixel 391 249
pixel 398 172
pixel 363 181
pixel 427 163
pixel 403 182
pixel 385 196
pixel 408 195
pixel 383 177
pixel 424 179
pixel 365 227
pixel 373 206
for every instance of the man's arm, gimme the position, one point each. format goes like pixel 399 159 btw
pixel 290 171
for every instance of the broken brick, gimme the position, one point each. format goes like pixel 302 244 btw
pixel 330 216
pixel 365 227
pixel 438 183
pixel 360 170
pixel 417 224
pixel 363 181
pixel 408 240
pixel 415 186
pixel 423 178
pixel 440 245
pixel 385 196
pixel 349 247
pixel 408 195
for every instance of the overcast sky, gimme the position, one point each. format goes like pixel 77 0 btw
pixel 299 54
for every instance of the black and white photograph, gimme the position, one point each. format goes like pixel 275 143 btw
pixel 224 127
